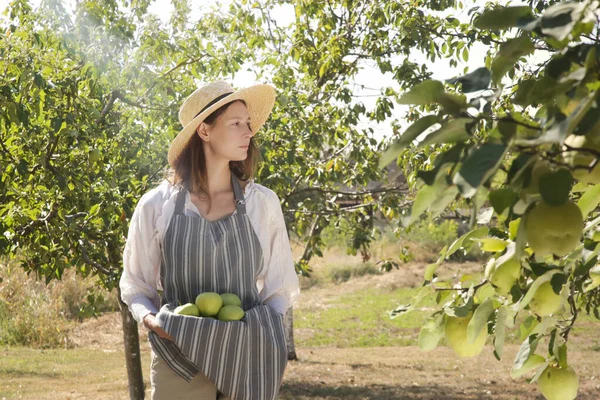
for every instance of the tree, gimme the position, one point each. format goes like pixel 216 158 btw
pixel 519 145
pixel 89 104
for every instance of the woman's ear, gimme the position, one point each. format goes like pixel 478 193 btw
pixel 202 131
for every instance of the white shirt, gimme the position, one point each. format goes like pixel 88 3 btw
pixel 277 285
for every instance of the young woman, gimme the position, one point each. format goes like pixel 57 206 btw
pixel 210 228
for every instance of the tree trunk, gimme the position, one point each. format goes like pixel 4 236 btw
pixel 133 359
pixel 288 321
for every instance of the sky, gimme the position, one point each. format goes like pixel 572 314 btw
pixel 369 75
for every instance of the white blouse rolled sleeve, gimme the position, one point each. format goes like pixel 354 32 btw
pixel 141 259
pixel 277 284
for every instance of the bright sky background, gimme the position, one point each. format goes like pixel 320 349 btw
pixel 369 75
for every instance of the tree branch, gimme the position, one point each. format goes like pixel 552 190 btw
pixel 92 263
pixel 337 192
pixel 115 94
pixel 462 289
pixel 574 312
pixel 38 222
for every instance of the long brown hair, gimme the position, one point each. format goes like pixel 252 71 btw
pixel 190 167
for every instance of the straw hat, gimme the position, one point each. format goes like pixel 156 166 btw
pixel 200 104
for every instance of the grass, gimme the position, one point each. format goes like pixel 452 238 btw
pixel 359 319
pixel 63 373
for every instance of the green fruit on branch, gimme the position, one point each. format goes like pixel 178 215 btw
pixel 230 313
pixel 554 229
pixel 456 337
pixel 540 168
pixel 595 279
pixel 558 383
pixel 545 301
pixel 188 309
pixel 95 155
pixel 582 158
pixel 505 276
pixel 209 303
pixel 231 299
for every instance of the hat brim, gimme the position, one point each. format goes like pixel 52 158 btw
pixel 259 99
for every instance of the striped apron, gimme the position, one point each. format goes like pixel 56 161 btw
pixel 245 359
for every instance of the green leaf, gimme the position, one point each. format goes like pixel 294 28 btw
pixel 509 54
pixel 503 18
pixel 558 131
pixel 426 92
pixel 499 332
pixel 527 326
pixel 465 240
pixel 533 288
pixel 513 228
pixel 461 311
pixel 491 244
pixel 562 356
pixel 556 186
pixel 452 103
pixel 407 138
pixel 589 200
pixel 518 167
pixel 531 363
pixel 473 81
pixel 479 166
pixel 452 131
pixel 442 163
pixel 479 320
pixel 524 89
pixel 434 198
pixel 94 209
pixel 502 199
pixel 432 332
pixel 416 301
pixel 557 282
pixel 525 351
pixel 558 20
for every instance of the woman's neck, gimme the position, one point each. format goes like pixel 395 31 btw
pixel 219 179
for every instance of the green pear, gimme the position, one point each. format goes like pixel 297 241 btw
pixel 230 313
pixel 456 337
pixel 94 155
pixel 540 168
pixel 559 383
pixel 231 299
pixel 544 301
pixel 505 276
pixel 188 309
pixel 209 303
pixel 554 229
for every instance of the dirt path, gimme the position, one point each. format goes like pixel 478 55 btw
pixel 409 373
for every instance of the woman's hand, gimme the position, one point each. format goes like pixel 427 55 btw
pixel 151 323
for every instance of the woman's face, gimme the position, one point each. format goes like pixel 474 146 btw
pixel 229 135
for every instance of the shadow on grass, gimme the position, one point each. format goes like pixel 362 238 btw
pixel 13 372
pixel 303 390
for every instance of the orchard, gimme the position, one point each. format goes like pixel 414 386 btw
pixel 520 147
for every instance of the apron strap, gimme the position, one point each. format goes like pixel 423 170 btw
pixel 180 201
pixel 240 203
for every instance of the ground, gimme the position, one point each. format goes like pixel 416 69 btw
pixel 95 369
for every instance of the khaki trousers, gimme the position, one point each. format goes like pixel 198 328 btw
pixel 167 385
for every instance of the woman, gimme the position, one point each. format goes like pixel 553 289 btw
pixel 211 228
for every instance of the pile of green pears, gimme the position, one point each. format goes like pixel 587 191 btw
pixel 224 307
